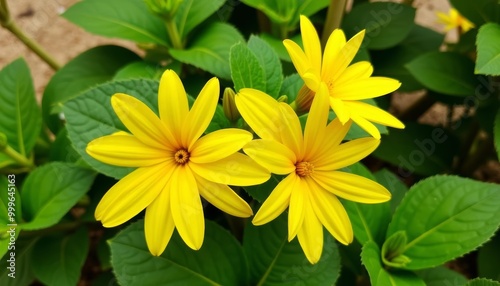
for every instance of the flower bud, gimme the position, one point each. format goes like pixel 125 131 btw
pixel 164 8
pixel 229 105
pixel 304 100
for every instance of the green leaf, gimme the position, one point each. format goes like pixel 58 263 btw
pixel 275 261
pixel 488 50
pixel 130 20
pixel 482 282
pixel 445 72
pixel 496 133
pixel 191 13
pixel 10 201
pixel 91 116
pixel 440 276
pixel 134 265
pixel 392 249
pixel 139 70
pixel 291 86
pixel 246 70
pixel 370 256
pixel 487 259
pixel 386 23
pixel 445 217
pixel 23 265
pixel 369 221
pixel 397 188
pixel 421 149
pixel 262 191
pixel 81 73
pixel 209 49
pixel 50 191
pixel 58 260
pixel 278 47
pixel 62 150
pixel 20 119
pixel 270 64
pixel 478 12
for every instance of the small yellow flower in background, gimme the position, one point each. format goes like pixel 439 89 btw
pixel 176 166
pixel 454 20
pixel 310 160
pixel 347 85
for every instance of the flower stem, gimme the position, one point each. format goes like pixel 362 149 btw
pixel 30 43
pixel 173 33
pixel 333 18
pixel 18 158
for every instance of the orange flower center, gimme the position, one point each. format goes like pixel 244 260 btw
pixel 181 157
pixel 304 169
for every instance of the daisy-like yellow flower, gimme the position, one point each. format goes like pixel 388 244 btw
pixel 454 20
pixel 347 84
pixel 175 165
pixel 311 161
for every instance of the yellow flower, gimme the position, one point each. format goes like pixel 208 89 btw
pixel 346 84
pixel 176 166
pixel 454 20
pixel 310 161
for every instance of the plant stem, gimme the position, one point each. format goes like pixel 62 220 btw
pixel 173 33
pixel 18 158
pixel 333 18
pixel 30 43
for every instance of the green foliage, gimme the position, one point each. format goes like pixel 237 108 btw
pixel 496 133
pixel 488 51
pixel 386 23
pixel 480 11
pixel 191 13
pixel 487 260
pixel 445 217
pixel 133 264
pixel 23 266
pixel 84 71
pixel 139 70
pixel 441 276
pixel 482 282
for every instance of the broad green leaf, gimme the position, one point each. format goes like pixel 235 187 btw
pixel 220 261
pixel 130 20
pixel 91 116
pixel 275 261
pixel 441 276
pixel 58 260
pixel 478 12
pixel 62 150
pixel 79 74
pixel 10 201
pixel 369 221
pixel 394 184
pixel 390 62
pixel 386 23
pixel 51 191
pixel 445 72
pixel 23 275
pixel 20 119
pixel 496 133
pixel 270 64
pixel 291 86
pixel 246 70
pixel 487 259
pixel 445 217
pixel 139 70
pixel 379 276
pixel 278 47
pixel 420 149
pixel 209 49
pixel 482 282
pixel 488 49
pixel 192 12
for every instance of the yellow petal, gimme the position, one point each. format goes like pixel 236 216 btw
pixel 132 194
pixel 223 197
pixel 291 134
pixel 159 223
pixel 333 46
pixel 236 170
pixel 345 55
pixel 365 88
pixel 272 155
pixel 338 106
pixel 217 145
pixel 356 71
pixel 331 214
pixel 374 114
pixel 201 113
pixel 172 102
pixel 366 125
pixel 311 80
pixel 310 235
pixel 187 210
pixel 126 151
pixel 277 202
pixel 333 136
pixel 299 58
pixel 261 112
pixel 316 121
pixel 352 187
pixel 346 154
pixel 142 121
pixel 299 200
pixel 312 46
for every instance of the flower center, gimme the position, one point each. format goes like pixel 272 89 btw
pixel 181 157
pixel 304 169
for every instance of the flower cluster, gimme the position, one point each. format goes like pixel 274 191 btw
pixel 177 165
